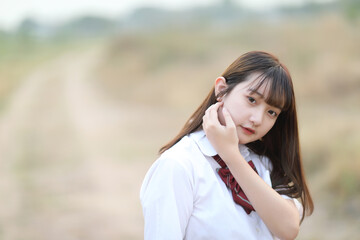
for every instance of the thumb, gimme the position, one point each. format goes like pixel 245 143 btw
pixel 228 119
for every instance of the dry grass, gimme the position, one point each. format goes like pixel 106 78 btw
pixel 73 157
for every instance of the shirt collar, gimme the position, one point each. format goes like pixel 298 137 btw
pixel 208 150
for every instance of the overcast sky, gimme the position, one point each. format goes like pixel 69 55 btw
pixel 13 11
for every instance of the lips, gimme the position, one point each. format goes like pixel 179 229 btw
pixel 248 131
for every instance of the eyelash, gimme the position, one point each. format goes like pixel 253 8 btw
pixel 251 100
pixel 271 112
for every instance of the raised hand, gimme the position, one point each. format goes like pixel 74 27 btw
pixel 223 137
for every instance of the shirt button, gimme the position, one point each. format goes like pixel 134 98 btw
pixel 257 230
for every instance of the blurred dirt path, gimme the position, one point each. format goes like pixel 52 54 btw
pixel 63 175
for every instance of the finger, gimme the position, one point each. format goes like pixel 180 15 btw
pixel 213 110
pixel 208 112
pixel 206 117
pixel 217 105
pixel 228 119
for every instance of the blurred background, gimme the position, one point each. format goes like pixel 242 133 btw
pixel 89 91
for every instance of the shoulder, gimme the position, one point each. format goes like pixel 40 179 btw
pixel 177 160
pixel 173 169
pixel 181 153
pixel 191 149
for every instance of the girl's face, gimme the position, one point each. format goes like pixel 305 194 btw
pixel 252 116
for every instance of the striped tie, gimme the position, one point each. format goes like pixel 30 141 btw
pixel 229 180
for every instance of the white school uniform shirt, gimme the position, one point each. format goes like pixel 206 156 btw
pixel 183 197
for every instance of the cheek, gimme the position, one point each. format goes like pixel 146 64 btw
pixel 234 114
pixel 268 125
pixel 236 110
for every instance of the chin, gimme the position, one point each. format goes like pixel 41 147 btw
pixel 243 142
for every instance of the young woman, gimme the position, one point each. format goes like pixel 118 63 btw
pixel 234 171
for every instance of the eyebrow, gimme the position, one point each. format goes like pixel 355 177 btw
pixel 256 92
pixel 262 96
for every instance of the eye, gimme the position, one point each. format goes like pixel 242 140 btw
pixel 251 100
pixel 273 113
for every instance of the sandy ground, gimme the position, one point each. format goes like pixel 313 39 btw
pixel 63 174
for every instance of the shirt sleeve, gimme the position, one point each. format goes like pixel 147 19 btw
pixel 167 199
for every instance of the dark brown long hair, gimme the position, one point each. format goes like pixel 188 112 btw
pixel 281 144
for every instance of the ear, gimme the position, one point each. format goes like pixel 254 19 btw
pixel 220 85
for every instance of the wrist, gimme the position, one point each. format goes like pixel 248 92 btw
pixel 231 156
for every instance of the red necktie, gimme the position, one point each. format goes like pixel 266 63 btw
pixel 229 180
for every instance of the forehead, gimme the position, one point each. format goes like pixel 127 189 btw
pixel 253 84
pixel 264 86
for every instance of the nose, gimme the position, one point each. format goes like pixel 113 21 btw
pixel 256 117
